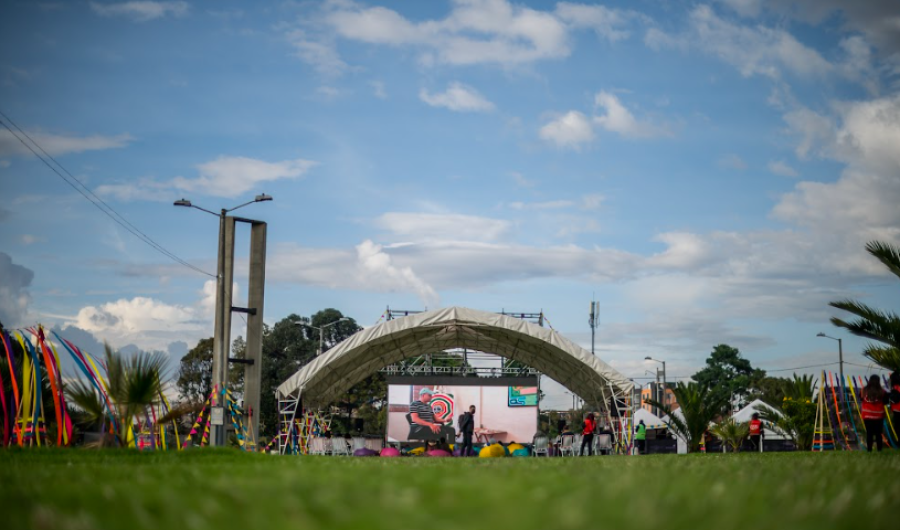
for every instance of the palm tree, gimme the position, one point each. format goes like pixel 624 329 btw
pixel 699 407
pixel 798 411
pixel 731 433
pixel 881 326
pixel 132 385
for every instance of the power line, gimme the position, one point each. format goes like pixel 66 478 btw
pixel 85 192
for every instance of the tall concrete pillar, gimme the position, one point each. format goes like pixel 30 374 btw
pixel 255 301
pixel 222 337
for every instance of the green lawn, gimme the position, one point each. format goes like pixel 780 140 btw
pixel 226 489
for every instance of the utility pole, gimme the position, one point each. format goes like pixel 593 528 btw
pixel 593 322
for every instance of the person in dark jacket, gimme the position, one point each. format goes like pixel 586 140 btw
pixel 467 427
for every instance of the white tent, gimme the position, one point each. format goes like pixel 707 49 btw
pixel 746 414
pixel 651 420
pixel 338 369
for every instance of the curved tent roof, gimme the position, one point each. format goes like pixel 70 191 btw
pixel 335 371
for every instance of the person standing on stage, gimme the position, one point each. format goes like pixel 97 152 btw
pixel 467 428
pixel 756 431
pixel 874 398
pixel 590 425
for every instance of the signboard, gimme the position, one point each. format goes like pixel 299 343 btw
pixel 523 396
pixel 218 416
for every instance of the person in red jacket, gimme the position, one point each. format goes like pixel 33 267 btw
pixel 588 434
pixel 894 401
pixel 756 431
pixel 873 401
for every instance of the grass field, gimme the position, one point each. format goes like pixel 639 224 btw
pixel 225 489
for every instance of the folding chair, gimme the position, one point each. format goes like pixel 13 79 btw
pixel 603 444
pixel 576 444
pixel 317 446
pixel 540 446
pixel 565 445
pixel 339 447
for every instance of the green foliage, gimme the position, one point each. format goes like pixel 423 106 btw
pixel 880 326
pixel 194 381
pixel 798 411
pixel 699 406
pixel 731 433
pixel 769 389
pixel 728 374
pixel 133 384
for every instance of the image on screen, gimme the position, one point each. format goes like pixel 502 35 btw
pixel 495 418
pixel 523 396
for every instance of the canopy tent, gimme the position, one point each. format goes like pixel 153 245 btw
pixel 651 421
pixel 334 372
pixel 746 414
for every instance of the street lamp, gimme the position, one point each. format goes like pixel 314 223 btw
pixel 305 322
pixel 654 389
pixel 665 395
pixel 840 360
pixel 223 310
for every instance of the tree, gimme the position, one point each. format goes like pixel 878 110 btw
pixel 132 384
pixel 880 326
pixel 728 374
pixel 769 389
pixel 797 411
pixel 698 405
pixel 194 381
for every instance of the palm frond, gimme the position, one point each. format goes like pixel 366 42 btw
pixel 86 398
pixel 873 324
pixel 885 357
pixel 887 254
pixel 180 410
pixel 731 432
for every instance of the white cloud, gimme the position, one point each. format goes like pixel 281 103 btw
pixel 606 22
pixel 592 201
pixel 572 130
pixel 521 181
pixel 452 227
pixel 746 8
pixel 56 144
pixel 618 119
pixel 752 50
pixel 141 11
pixel 319 53
pixel 458 97
pixel 779 167
pixel 378 270
pixel 226 176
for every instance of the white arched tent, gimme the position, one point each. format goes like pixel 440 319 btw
pixel 334 372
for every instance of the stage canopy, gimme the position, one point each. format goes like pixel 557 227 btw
pixel 331 374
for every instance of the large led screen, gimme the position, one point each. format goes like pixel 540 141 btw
pixel 497 417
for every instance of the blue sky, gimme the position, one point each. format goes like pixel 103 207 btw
pixel 709 171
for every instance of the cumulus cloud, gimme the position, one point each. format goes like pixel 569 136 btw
pixel 458 97
pixel 618 119
pixel 318 52
pixel 608 23
pixel 58 144
pixel 14 295
pixel 226 176
pixel 571 130
pixel 140 11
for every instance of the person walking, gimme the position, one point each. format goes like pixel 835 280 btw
pixel 587 434
pixel 756 431
pixel 640 437
pixel 873 402
pixel 467 428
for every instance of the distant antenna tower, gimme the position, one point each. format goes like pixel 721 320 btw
pixel 594 321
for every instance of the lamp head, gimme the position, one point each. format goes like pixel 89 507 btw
pixel 648 358
pixel 262 197
pixel 183 202
pixel 820 334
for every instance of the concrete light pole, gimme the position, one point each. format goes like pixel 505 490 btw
pixel 840 363
pixel 306 322
pixel 222 332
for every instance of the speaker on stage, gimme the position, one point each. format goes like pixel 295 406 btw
pixel 358 424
